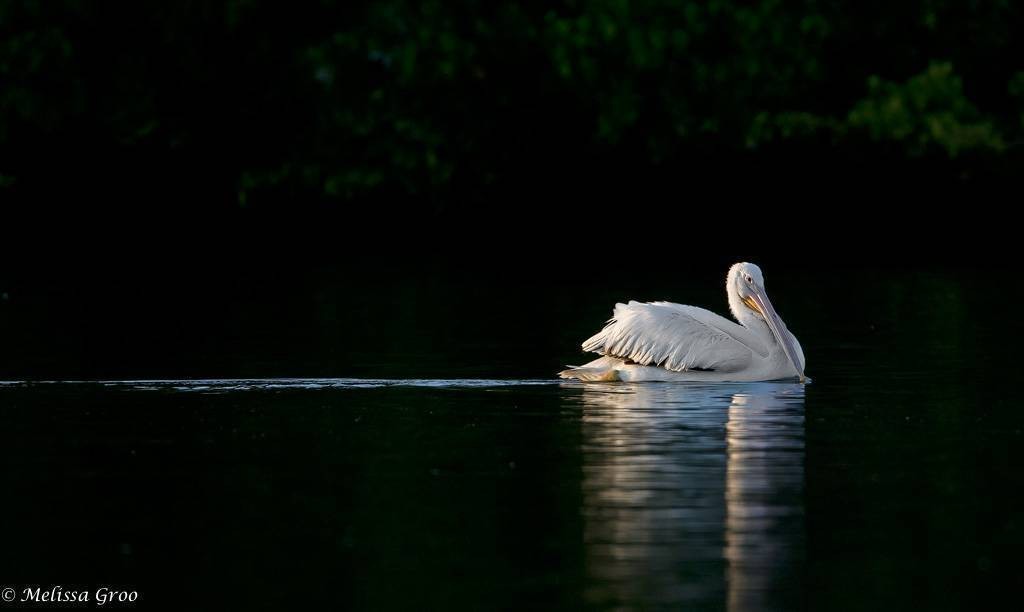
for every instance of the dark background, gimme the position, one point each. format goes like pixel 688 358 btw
pixel 249 188
pixel 464 189
pixel 218 106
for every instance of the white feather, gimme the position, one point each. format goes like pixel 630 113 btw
pixel 676 337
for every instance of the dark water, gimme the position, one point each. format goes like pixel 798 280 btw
pixel 893 481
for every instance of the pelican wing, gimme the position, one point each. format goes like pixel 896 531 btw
pixel 675 337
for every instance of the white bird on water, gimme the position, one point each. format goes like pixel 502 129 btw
pixel 663 341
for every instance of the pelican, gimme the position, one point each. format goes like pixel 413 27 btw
pixel 663 341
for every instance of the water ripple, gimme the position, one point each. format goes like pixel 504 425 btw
pixel 225 385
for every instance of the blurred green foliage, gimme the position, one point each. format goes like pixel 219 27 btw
pixel 928 111
pixel 343 99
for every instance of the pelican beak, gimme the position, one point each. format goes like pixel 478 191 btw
pixel 758 300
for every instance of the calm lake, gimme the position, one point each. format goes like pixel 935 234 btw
pixel 450 470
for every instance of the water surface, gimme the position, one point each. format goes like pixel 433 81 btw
pixel 894 481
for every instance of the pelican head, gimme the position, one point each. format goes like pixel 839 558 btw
pixel 747 299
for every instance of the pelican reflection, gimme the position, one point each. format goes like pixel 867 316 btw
pixel 693 494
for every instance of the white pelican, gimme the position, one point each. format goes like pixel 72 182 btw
pixel 665 341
